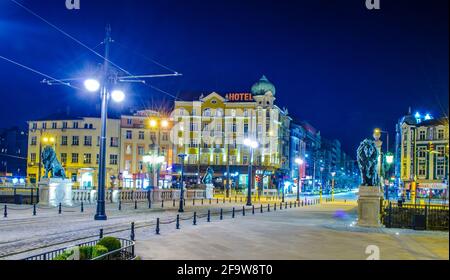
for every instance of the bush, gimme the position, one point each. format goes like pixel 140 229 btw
pixel 64 256
pixel 111 243
pixel 99 250
pixel 86 252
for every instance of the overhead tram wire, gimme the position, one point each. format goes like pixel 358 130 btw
pixel 90 49
pixel 61 82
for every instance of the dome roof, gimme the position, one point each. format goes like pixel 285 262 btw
pixel 263 86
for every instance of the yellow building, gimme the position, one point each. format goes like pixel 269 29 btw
pixel 76 143
pixel 422 155
pixel 212 129
pixel 143 133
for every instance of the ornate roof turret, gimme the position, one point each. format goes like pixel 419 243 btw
pixel 263 86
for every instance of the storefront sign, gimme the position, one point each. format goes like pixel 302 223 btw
pixel 435 186
pixel 239 97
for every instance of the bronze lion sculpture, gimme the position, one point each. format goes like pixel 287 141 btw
pixel 51 164
pixel 367 155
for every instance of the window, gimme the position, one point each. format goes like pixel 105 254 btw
pixel 153 136
pixel 141 135
pixel 440 134
pixel 75 140
pixel 440 151
pixel 113 159
pixel 74 158
pixel 165 136
pixel 259 128
pixel 33 157
pixel 245 160
pixel 75 124
pixel 421 152
pixel 129 134
pixel 34 125
pixel 141 150
pixel 54 125
pixel 207 112
pixel 88 140
pixel 219 113
pixel 33 141
pixel 234 128
pixel 194 112
pixel 63 140
pixel 422 167
pixel 87 159
pixel 422 135
pixel 114 142
pixel 63 158
pixel 440 168
pixel 164 150
pixel 194 126
pixel 64 125
pixel 74 177
pixel 129 121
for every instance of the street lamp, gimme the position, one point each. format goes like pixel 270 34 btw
pixel 252 145
pixel 321 184
pixel 300 162
pixel 332 186
pixel 182 156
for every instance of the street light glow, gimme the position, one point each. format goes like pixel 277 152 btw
pixel 164 123
pixel 118 95
pixel 251 143
pixel 92 85
pixel 153 123
pixel 299 161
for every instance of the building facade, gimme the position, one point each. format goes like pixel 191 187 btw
pixel 212 129
pixel 143 133
pixel 421 163
pixel 76 142
pixel 13 152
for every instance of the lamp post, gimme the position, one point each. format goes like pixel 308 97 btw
pixel 332 186
pixel 182 157
pixel 300 162
pixel 321 184
pixel 252 145
pixel 389 158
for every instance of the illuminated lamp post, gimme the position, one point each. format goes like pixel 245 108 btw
pixel 182 157
pixel 332 186
pixel 252 145
pixel 300 162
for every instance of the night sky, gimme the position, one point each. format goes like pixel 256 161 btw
pixel 341 67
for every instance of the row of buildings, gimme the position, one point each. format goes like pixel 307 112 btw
pixel 210 130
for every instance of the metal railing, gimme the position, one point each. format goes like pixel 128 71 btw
pixel 126 252
pixel 414 216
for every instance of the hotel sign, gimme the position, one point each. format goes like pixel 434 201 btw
pixel 239 97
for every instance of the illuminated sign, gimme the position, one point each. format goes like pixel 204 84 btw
pixel 239 97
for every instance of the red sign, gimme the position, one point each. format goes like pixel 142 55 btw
pixel 239 97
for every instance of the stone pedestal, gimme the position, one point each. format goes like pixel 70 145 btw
pixel 369 199
pixel 209 191
pixel 53 191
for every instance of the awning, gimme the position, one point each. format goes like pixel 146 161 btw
pixel 435 186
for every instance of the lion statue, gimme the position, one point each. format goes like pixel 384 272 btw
pixel 367 155
pixel 51 164
pixel 208 178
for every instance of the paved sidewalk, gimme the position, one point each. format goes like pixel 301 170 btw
pixel 316 232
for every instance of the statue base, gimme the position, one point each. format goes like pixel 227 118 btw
pixel 369 200
pixel 53 191
pixel 209 191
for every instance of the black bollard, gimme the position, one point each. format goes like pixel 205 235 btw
pixel 290 204
pixel 120 205
pixel 194 222
pixel 135 204
pixel 223 200
pixel 210 201
pixel 253 209
pixel 59 208
pixel 285 205
pixel 230 199
pixel 232 213
pixel 221 214
pixel 34 209
pixel 243 210
pixel 5 213
pixel 261 210
pixel 157 226
pixel 178 222
pixel 235 198
pixel 184 202
pixel 150 203
pixel 217 201
pixel 193 201
pixel 209 216
pixel 275 207
pixel 173 202
pixel 101 234
pixel 162 203
pixel 82 207
pixel 268 207
pixel 202 201
pixel 302 202
pixel 295 204
pixel 132 231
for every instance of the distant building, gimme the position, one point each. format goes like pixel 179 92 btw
pixel 142 133
pixel 76 141
pixel 421 161
pixel 13 151
pixel 212 129
pixel 297 150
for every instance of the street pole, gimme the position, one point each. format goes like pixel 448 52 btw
pixel 181 209
pixel 332 190
pixel 227 192
pixel 101 215
pixel 250 179
pixel 299 182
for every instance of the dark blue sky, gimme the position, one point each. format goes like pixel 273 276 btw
pixel 343 68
